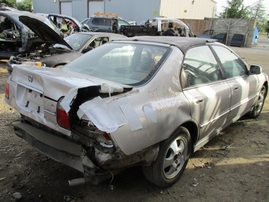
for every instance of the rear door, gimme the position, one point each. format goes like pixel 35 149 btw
pixel 208 94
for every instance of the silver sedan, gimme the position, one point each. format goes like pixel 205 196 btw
pixel 148 101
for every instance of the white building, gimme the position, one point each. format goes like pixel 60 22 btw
pixel 137 10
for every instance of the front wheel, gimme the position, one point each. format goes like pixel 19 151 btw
pixel 257 108
pixel 171 161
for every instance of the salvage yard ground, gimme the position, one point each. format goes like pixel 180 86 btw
pixel 233 167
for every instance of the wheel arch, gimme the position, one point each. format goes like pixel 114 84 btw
pixel 266 87
pixel 60 65
pixel 193 130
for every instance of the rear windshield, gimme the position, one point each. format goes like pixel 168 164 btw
pixel 125 63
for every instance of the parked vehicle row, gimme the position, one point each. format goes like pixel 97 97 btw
pixel 45 46
pixel 55 51
pixel 141 101
pixel 156 27
pixel 112 23
pixel 105 23
pixel 18 39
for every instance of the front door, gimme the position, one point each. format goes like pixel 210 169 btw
pixel 243 86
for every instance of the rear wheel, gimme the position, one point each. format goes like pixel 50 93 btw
pixel 172 159
pixel 257 108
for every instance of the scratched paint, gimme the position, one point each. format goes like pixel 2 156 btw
pixel 164 98
pixel 110 116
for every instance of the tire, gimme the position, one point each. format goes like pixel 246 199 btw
pixel 171 161
pixel 257 108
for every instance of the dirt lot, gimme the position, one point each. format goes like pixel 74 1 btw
pixel 232 167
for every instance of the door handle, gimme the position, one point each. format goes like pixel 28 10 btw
pixel 199 100
pixel 236 88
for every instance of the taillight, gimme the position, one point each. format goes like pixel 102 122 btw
pixel 7 91
pixel 63 119
pixel 106 136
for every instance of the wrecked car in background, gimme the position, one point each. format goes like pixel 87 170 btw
pixel 156 27
pixel 105 22
pixel 148 101
pixel 14 35
pixel 67 24
pixel 52 50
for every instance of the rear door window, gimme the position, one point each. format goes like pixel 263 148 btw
pixel 101 21
pixel 200 66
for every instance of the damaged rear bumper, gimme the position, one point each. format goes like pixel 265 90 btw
pixel 60 149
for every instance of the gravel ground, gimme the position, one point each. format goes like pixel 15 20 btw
pixel 233 167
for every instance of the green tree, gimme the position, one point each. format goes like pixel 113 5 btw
pixel 258 12
pixel 235 9
pixel 10 3
pixel 24 5
pixel 267 28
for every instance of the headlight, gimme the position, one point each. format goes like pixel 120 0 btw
pixel 38 64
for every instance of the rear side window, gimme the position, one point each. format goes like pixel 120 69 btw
pixel 232 65
pixel 101 21
pixel 199 66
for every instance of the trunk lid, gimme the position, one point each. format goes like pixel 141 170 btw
pixel 38 90
pixel 55 83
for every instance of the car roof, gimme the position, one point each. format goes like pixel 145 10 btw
pixel 183 43
pixel 102 33
pixel 15 14
pixel 108 17
pixel 12 13
pixel 61 15
pixel 64 16
pixel 6 8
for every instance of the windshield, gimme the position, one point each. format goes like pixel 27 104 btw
pixel 125 63
pixel 76 41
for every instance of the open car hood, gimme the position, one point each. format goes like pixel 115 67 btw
pixel 43 31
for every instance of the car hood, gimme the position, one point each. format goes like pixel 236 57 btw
pixel 43 31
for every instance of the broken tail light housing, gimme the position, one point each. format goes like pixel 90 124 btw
pixel 103 138
pixel 62 116
pixel 105 141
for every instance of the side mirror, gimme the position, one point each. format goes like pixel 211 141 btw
pixel 255 69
